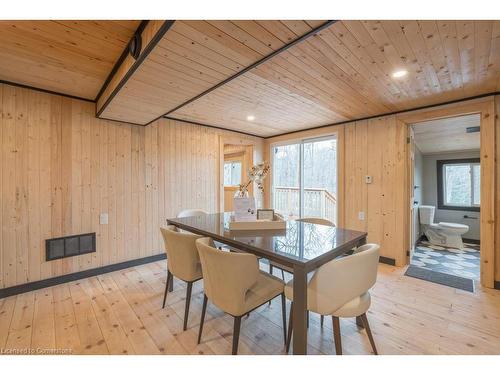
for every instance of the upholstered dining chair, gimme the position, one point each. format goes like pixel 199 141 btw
pixel 340 288
pixel 234 283
pixel 192 212
pixel 183 262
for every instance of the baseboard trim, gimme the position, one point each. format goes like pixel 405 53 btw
pixel 470 240
pixel 388 261
pixel 497 285
pixel 35 285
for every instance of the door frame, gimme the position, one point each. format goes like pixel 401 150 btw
pixel 254 149
pixel 485 107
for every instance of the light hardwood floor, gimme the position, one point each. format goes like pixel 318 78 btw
pixel 120 313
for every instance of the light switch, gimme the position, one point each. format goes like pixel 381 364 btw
pixel 368 179
pixel 361 215
pixel 103 218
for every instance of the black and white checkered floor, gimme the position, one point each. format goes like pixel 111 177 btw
pixel 463 263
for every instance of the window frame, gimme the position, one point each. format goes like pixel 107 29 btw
pixel 233 160
pixel 440 164
pixel 301 142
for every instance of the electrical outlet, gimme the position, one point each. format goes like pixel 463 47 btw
pixel 103 218
pixel 361 215
pixel 368 179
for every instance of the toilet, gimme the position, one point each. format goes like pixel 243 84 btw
pixel 443 234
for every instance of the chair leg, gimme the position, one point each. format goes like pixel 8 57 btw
pixel 270 272
pixel 290 328
pixel 188 300
pixel 236 333
pixel 203 311
pixel 322 320
pixel 171 283
pixel 364 318
pixel 166 289
pixel 283 311
pixel 336 335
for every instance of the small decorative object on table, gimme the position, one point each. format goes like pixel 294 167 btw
pixel 256 174
pixel 265 214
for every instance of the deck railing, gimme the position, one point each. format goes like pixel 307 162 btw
pixel 317 202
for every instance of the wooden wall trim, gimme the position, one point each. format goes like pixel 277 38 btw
pixel 44 90
pixel 402 112
pixel 151 35
pixel 206 125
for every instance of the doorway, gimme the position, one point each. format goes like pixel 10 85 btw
pixel 305 178
pixel 237 160
pixel 445 204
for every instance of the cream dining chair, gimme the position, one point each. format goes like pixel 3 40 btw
pixel 183 262
pixel 234 283
pixel 192 212
pixel 340 288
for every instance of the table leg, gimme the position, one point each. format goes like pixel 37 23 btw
pixel 299 310
pixel 359 321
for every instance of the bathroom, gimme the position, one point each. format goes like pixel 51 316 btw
pixel 446 199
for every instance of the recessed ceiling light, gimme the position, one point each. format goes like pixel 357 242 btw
pixel 250 118
pixel 399 73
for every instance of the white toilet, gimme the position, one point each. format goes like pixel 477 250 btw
pixel 444 234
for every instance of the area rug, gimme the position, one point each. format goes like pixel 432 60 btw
pixel 441 278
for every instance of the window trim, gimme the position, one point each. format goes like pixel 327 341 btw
pixel 301 141
pixel 440 191
pixel 233 160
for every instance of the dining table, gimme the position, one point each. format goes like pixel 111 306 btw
pixel 301 247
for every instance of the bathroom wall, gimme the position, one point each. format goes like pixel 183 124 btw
pixel 417 192
pixel 429 196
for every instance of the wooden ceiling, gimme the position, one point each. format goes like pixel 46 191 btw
pixel 288 75
pixel 345 72
pixel 194 56
pixel 70 57
pixel 447 135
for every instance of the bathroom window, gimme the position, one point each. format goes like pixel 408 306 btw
pixel 459 184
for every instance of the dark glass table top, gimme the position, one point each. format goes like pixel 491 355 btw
pixel 301 243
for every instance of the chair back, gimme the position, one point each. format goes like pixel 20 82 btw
pixel 341 280
pixel 316 220
pixel 227 276
pixel 183 260
pixel 192 212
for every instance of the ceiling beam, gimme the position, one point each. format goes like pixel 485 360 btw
pixel 151 34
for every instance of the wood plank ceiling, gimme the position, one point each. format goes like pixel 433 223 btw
pixel 447 134
pixel 345 72
pixel 194 56
pixel 70 57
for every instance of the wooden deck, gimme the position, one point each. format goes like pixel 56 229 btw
pixel 120 312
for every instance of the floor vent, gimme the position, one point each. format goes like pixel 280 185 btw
pixel 63 247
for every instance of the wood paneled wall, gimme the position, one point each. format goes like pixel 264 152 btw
pixel 60 167
pixel 497 208
pixel 376 148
